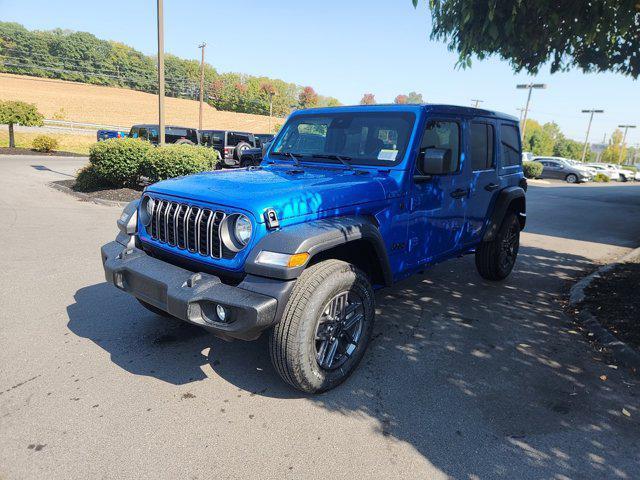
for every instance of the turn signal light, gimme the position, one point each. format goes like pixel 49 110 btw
pixel 297 260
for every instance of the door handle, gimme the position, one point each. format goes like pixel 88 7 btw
pixel 459 193
pixel 490 187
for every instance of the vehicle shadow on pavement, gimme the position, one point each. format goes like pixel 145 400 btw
pixel 146 344
pixel 482 379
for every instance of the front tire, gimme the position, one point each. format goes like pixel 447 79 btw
pixel 495 259
pixel 572 178
pixel 325 328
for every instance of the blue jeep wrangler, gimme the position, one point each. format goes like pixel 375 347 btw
pixel 347 200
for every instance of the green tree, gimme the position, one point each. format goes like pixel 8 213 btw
pixel 615 150
pixel 414 97
pixel 18 113
pixel 368 99
pixel 593 35
pixel 568 148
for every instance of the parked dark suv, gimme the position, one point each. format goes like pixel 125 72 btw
pixel 262 138
pixel 230 144
pixel 172 134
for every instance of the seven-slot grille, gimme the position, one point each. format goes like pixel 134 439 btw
pixel 187 227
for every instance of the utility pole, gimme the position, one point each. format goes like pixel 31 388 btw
pixel 270 111
pixel 586 140
pixel 476 102
pixel 201 47
pixel 624 139
pixel 160 73
pixel 530 87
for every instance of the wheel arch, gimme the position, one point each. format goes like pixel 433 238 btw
pixel 510 199
pixel 354 239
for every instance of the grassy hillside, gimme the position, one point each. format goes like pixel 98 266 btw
pixel 81 102
pixel 82 57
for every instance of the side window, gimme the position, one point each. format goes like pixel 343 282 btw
pixel 481 146
pixel 444 135
pixel 510 145
pixel 142 133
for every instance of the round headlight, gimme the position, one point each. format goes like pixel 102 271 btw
pixel 146 213
pixel 242 230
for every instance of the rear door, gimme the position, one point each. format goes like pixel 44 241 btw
pixel 437 220
pixel 484 185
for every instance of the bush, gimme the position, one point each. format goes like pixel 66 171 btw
pixel 44 143
pixel 176 160
pixel 532 169
pixel 88 180
pixel 601 177
pixel 117 161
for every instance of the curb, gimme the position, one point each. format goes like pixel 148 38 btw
pixel 621 352
pixel 85 197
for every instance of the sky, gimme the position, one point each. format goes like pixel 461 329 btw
pixel 342 48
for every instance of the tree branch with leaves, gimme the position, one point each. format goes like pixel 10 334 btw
pixel 592 35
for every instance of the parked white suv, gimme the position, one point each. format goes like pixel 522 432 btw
pixel 625 175
pixel 605 169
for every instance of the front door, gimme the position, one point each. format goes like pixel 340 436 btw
pixel 437 219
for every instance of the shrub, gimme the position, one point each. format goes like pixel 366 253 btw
pixel 601 177
pixel 532 169
pixel 88 180
pixel 175 160
pixel 117 161
pixel 44 143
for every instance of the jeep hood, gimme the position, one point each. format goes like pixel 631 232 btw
pixel 289 191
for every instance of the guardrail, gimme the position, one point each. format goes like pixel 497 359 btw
pixel 88 126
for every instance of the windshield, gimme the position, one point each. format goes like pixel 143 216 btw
pixel 369 138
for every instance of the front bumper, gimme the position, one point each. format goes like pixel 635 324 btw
pixel 252 306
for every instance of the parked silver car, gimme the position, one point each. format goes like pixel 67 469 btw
pixel 562 169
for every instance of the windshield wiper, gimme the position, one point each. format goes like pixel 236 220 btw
pixel 291 155
pixel 344 159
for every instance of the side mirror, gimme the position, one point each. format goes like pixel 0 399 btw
pixel 433 161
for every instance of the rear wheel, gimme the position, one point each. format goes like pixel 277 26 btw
pixel 495 259
pixel 325 328
pixel 572 178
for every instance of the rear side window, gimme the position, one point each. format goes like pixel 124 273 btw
pixel 234 139
pixel 510 145
pixel 481 146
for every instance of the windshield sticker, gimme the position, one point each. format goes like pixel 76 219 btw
pixel 388 155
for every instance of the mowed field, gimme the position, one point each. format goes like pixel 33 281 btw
pixel 81 102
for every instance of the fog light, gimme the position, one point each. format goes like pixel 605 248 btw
pixel 221 312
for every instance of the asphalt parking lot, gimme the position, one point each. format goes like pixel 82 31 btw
pixel 464 378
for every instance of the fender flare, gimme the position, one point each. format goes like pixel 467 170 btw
pixel 500 208
pixel 315 237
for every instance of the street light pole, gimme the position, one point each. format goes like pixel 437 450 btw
pixel 586 140
pixel 624 140
pixel 201 46
pixel 160 73
pixel 476 102
pixel 530 87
